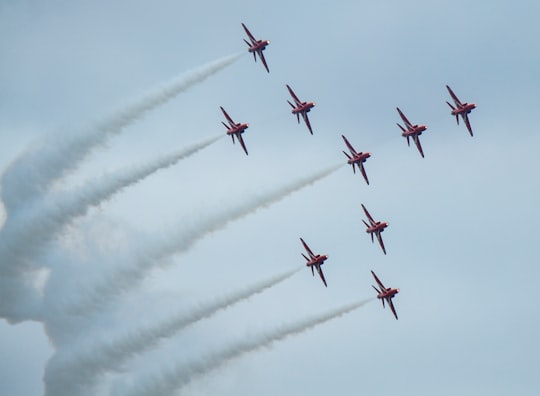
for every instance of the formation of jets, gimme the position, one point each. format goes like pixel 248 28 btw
pixel 354 158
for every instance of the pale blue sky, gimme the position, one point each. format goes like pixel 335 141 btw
pixel 463 221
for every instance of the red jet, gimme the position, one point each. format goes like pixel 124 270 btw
pixel 385 293
pixel 314 260
pixel 461 109
pixel 412 131
pixel 301 108
pixel 235 129
pixel 256 47
pixel 356 158
pixel 375 228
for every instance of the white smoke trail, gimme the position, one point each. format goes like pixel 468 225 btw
pixel 76 372
pixel 25 235
pixel 34 171
pixel 22 240
pixel 146 259
pixel 178 376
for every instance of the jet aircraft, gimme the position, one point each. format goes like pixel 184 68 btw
pixel 412 131
pixel 461 109
pixel 301 108
pixel 356 158
pixel 385 293
pixel 375 228
pixel 314 260
pixel 235 129
pixel 256 47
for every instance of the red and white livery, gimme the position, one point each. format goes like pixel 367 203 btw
pixel 314 261
pixel 375 228
pixel 385 294
pixel 301 108
pixel 461 109
pixel 356 159
pixel 235 129
pixel 256 47
pixel 411 131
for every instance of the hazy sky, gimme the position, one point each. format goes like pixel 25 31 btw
pixel 463 221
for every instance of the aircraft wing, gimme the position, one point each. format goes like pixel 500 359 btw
pixel 319 270
pixel 253 39
pixel 296 100
pixel 453 95
pixel 306 119
pixel 307 248
pixel 379 238
pixel 467 123
pixel 227 116
pixel 241 140
pixel 261 55
pixel 349 146
pixel 363 170
pixel 405 120
pixel 418 145
pixel 391 304
pixel 368 215
pixel 381 286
